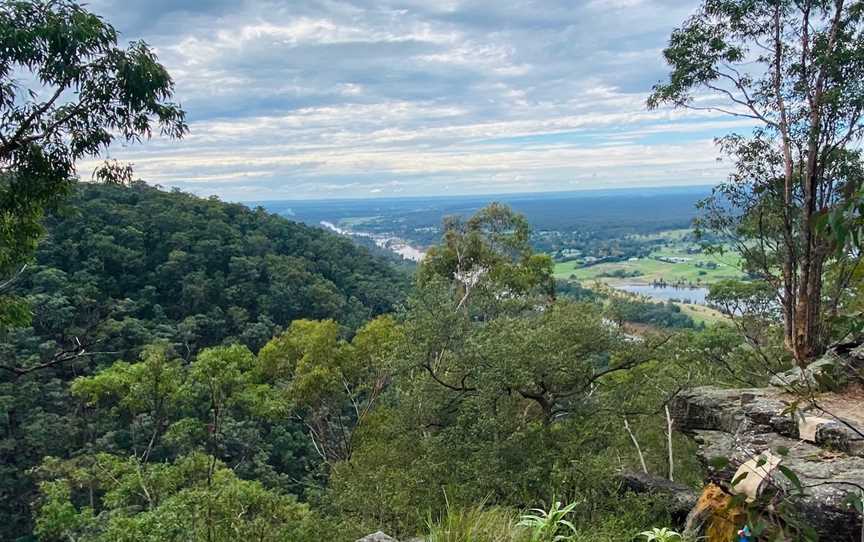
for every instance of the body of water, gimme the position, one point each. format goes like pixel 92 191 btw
pixel 393 244
pixel 666 293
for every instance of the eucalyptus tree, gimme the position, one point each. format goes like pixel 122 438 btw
pixel 331 385
pixel 490 253
pixel 482 322
pixel 67 91
pixel 795 69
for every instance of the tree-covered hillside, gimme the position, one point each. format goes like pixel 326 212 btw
pixel 130 264
pixel 125 267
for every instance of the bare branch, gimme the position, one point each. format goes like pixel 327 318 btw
pixel 636 445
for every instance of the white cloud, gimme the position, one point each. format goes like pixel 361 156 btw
pixel 359 97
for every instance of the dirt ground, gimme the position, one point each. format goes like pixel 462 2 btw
pixel 847 404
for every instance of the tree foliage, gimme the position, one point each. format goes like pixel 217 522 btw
pixel 152 279
pixel 489 252
pixel 133 265
pixel 332 384
pixel 184 500
pixel 82 93
pixel 499 394
pixel 493 389
pixel 795 70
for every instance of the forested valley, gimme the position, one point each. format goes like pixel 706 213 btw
pixel 125 268
pixel 178 368
pixel 148 360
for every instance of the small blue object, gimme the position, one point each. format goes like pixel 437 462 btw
pixel 744 534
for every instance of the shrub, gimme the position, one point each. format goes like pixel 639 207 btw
pixel 476 524
pixel 550 526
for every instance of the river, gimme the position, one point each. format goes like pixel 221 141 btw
pixel 695 296
pixel 387 242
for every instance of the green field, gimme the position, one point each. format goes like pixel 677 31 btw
pixel 703 315
pixel 651 269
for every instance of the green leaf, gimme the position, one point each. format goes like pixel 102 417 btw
pixel 856 501
pixel 788 473
pixel 758 528
pixel 738 479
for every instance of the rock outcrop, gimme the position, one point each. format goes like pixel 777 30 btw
pixel 843 362
pixel 680 499
pixel 732 426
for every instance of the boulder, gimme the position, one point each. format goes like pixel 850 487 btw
pixel 813 375
pixel 680 498
pixel 843 362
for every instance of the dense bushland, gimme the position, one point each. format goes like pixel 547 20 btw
pixel 125 267
pixel 480 387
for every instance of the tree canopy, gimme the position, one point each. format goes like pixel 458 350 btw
pixel 67 91
pixel 795 70
pixel 152 278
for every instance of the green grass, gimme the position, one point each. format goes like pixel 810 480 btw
pixel 651 269
pixel 703 315
pixel 477 523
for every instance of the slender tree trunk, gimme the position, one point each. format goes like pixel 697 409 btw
pixel 809 336
pixel 808 312
pixel 636 445
pixel 809 281
pixel 788 299
pixel 669 443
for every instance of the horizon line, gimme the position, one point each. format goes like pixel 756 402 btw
pixel 468 195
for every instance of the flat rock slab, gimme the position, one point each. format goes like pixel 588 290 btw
pixel 733 426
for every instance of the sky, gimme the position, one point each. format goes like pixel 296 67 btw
pixel 311 99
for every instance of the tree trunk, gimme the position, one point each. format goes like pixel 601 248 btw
pixel 669 443
pixel 809 336
pixel 788 301
pixel 636 445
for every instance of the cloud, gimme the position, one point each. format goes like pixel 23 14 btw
pixel 321 98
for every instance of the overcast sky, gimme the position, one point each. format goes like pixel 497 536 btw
pixel 363 98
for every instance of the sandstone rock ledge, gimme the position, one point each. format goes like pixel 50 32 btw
pixel 740 424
